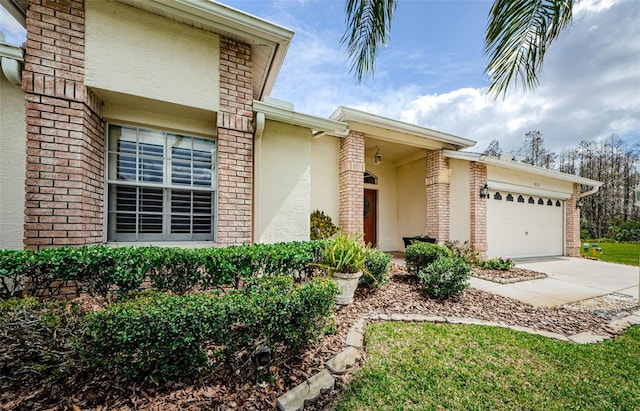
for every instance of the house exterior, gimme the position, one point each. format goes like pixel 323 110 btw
pixel 150 121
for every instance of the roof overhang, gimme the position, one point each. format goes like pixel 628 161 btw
pixel 517 166
pixel 18 9
pixel 269 42
pixel 284 114
pixel 388 128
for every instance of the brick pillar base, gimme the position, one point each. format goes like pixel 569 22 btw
pixel 437 192
pixel 478 235
pixel 351 183
pixel 64 192
pixel 573 224
pixel 235 145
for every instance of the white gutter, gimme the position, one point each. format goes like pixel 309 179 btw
pixel 11 60
pixel 349 114
pixel 317 125
pixel 527 168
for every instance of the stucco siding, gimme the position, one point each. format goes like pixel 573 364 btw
pixel 325 153
pixel 504 175
pixel 13 160
pixel 412 202
pixel 282 184
pixel 460 227
pixel 387 187
pixel 133 52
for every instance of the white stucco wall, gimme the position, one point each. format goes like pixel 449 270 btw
pixel 134 52
pixel 282 184
pixel 12 164
pixel 387 188
pixel 460 221
pixel 504 175
pixel 325 153
pixel 412 201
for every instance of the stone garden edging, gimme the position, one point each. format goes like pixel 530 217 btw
pixel 323 381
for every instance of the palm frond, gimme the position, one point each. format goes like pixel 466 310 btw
pixel 518 35
pixel 368 28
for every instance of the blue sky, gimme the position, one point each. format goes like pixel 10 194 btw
pixel 432 71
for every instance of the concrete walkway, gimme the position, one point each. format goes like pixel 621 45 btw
pixel 570 279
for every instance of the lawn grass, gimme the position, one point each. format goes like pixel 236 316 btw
pixel 442 366
pixel 623 253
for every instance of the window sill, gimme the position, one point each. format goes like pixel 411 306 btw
pixel 181 244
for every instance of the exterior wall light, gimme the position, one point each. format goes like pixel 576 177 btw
pixel 484 191
pixel 377 159
pixel 579 203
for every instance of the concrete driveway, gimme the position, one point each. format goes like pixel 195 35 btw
pixel 570 279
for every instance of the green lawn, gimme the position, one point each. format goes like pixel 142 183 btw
pixel 426 366
pixel 623 253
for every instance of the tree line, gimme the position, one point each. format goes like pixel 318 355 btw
pixel 610 212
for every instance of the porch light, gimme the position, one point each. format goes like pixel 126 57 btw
pixel 377 159
pixel 484 191
pixel 637 192
pixel 579 203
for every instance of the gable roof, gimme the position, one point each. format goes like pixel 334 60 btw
pixel 377 125
pixel 269 42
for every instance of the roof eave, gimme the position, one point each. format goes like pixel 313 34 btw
pixel 349 114
pixel 517 166
pixel 316 124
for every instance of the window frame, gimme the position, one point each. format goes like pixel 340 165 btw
pixel 167 187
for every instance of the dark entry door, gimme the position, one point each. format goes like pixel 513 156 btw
pixel 371 217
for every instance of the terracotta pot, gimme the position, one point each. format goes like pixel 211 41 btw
pixel 347 283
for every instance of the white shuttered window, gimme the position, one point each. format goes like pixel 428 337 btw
pixel 161 185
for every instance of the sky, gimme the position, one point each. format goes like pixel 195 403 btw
pixel 432 71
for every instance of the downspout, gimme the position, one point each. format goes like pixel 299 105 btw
pixel 11 61
pixel 593 190
pixel 257 170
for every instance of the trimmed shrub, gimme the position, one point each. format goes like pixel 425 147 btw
pixel 166 335
pixel 497 263
pixel 321 226
pixel 445 277
pixel 178 270
pixel 12 267
pixel 378 265
pixel 420 255
pixel 39 341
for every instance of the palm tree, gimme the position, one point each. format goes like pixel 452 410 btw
pixel 518 35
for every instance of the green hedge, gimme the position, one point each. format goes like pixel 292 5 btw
pixel 106 271
pixel 166 335
pixel 445 277
pixel 378 264
pixel 420 255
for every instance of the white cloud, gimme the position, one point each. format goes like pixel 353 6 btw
pixel 589 88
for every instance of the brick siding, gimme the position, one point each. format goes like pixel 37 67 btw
pixel 65 131
pixel 438 192
pixel 478 235
pixel 573 224
pixel 351 183
pixel 235 145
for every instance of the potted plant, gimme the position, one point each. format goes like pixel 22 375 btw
pixel 344 258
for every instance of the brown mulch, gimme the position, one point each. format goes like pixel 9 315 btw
pixel 515 275
pixel 237 385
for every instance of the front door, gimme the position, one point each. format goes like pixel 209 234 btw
pixel 370 217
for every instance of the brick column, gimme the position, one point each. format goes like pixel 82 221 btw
pixel 572 234
pixel 235 144
pixel 478 235
pixel 351 183
pixel 438 195
pixel 65 131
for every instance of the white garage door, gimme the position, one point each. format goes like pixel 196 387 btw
pixel 520 225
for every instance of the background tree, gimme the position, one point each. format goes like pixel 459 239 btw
pixel 518 35
pixel 532 151
pixel 493 149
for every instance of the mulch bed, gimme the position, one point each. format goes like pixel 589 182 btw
pixel 515 275
pixel 237 385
